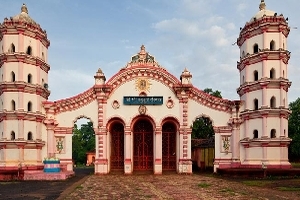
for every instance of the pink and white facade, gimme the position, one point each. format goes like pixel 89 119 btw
pixel 142 115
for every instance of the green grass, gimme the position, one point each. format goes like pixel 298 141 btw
pixel 291 189
pixel 257 183
pixel 79 187
pixel 296 165
pixel 204 185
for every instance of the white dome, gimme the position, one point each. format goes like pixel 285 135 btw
pixel 262 11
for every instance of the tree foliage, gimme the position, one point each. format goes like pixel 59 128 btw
pixel 216 93
pixel 202 128
pixel 294 130
pixel 83 140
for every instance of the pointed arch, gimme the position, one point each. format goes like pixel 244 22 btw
pixel 273 133
pixel 29 50
pixel 29 136
pixel 255 134
pixel 12 48
pixel 272 45
pixel 255 48
pixel 272 74
pixel 273 102
pixel 13 76
pixel 13 105
pixel 29 106
pixel 255 104
pixel 29 78
pixel 12 135
pixel 255 75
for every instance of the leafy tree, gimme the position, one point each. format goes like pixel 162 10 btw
pixel 202 128
pixel 216 93
pixel 83 140
pixel 294 130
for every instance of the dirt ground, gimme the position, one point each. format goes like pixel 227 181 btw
pixel 147 186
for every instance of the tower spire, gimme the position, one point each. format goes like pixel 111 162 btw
pixel 262 5
pixel 24 8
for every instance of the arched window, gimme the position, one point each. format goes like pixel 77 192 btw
pixel 255 48
pixel 255 74
pixel 12 48
pixel 29 136
pixel 273 102
pixel 255 134
pixel 284 132
pixel 283 74
pixel 272 73
pixel 272 45
pixel 243 79
pixel 29 50
pixel 13 105
pixel 283 46
pixel 12 135
pixel 13 77
pixel 273 133
pixel 255 104
pixel 29 78
pixel 43 56
pixel 243 54
pixel 29 106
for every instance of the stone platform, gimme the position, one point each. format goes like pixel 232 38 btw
pixel 41 175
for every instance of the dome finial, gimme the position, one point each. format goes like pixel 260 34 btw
pixel 24 8
pixel 262 5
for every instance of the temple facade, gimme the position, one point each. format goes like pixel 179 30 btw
pixel 142 115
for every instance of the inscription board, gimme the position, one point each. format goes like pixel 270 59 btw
pixel 143 100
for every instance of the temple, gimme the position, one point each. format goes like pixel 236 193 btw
pixel 142 115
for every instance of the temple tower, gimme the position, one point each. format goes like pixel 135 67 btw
pixel 264 85
pixel 23 85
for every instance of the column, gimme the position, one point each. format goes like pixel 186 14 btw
pixel 20 129
pixel 50 141
pixel 282 126
pixel 264 126
pixel 246 127
pixel 127 148
pixel 264 97
pixel 264 68
pixel 158 151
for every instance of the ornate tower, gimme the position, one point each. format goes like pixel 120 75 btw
pixel 264 88
pixel 23 85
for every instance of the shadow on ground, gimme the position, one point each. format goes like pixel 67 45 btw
pixel 29 190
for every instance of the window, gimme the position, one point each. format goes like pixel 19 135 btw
pixel 272 45
pixel 273 133
pixel 29 136
pixel 255 48
pixel 255 74
pixel 29 78
pixel 29 50
pixel 13 77
pixel 272 73
pixel 283 73
pixel 43 56
pixel 255 134
pixel 13 105
pixel 255 104
pixel 243 79
pixel 243 54
pixel 12 48
pixel 12 136
pixel 273 102
pixel 29 106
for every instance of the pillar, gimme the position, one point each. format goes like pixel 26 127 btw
pixel 158 151
pixel 128 168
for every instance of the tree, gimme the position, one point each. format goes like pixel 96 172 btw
pixel 83 140
pixel 294 130
pixel 202 128
pixel 216 93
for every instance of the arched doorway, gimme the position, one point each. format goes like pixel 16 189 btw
pixel 143 145
pixel 117 146
pixel 168 146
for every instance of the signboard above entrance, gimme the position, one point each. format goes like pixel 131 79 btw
pixel 143 100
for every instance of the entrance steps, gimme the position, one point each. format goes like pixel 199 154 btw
pixel 41 175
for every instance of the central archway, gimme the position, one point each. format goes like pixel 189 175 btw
pixel 143 145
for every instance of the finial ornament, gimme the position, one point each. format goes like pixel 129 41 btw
pixel 24 8
pixel 262 5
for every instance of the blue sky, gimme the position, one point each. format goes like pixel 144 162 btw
pixel 196 34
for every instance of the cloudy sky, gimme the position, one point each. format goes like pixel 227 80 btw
pixel 196 34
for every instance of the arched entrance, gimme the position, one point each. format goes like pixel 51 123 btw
pixel 143 145
pixel 168 146
pixel 117 146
